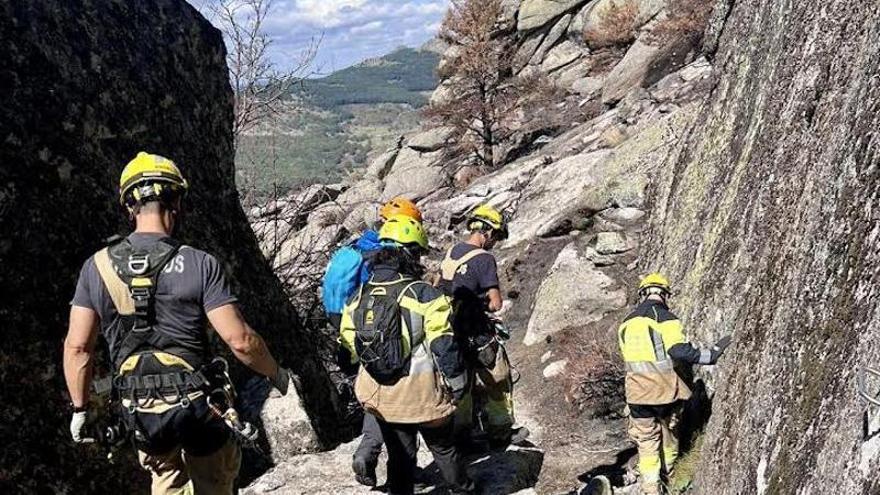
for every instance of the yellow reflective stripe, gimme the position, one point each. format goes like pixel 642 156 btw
pixel 650 366
pixel 347 331
pixel 172 360
pixel 129 364
pixel 649 467
pixel 141 282
pixel 659 350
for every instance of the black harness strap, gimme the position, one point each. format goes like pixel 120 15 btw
pixel 140 270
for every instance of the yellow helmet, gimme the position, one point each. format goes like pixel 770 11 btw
pixel 486 215
pixel 655 280
pixel 159 174
pixel 404 230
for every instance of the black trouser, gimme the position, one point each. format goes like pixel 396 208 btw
pixel 371 442
pixel 402 443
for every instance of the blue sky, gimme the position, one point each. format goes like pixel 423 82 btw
pixel 352 29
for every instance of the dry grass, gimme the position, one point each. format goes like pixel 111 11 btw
pixel 618 25
pixel 594 375
pixel 686 20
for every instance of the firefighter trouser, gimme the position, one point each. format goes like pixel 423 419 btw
pixel 493 394
pixel 179 473
pixel 185 449
pixel 401 440
pixel 371 441
pixel 657 441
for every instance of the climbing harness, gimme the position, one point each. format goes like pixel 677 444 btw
pixel 151 372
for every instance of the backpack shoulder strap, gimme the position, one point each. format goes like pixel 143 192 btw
pixel 117 288
pixel 450 266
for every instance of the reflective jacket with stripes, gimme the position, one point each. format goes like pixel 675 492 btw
pixel 651 342
pixel 423 395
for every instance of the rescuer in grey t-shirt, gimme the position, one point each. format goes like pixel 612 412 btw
pixel 190 286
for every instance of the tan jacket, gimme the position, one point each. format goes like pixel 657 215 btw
pixel 423 395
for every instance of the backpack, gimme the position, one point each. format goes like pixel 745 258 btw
pixel 381 346
pixel 348 268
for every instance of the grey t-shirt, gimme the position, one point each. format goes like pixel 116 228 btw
pixel 191 285
pixel 480 274
pixel 469 287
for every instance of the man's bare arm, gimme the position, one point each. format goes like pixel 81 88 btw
pixel 495 301
pixel 245 343
pixel 79 348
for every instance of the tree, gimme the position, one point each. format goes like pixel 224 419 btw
pixel 262 89
pixel 478 71
pixel 260 86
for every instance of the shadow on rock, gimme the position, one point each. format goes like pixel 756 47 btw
pixel 497 472
pixel 615 471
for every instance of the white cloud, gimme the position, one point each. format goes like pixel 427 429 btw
pixel 351 30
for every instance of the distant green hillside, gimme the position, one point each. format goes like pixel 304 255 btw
pixel 403 76
pixel 335 123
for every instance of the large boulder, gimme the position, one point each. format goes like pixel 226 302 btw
pixel 551 39
pixel 630 72
pixel 573 294
pixel 594 16
pixel 414 174
pixel 644 64
pixel 536 13
pixel 561 55
pixel 429 140
pixel 554 195
pixel 86 85
pixel 380 165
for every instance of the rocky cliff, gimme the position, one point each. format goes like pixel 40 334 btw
pixel 577 201
pixel 87 84
pixel 748 174
pixel 769 221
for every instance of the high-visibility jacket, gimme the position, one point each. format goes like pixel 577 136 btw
pixel 651 341
pixel 436 367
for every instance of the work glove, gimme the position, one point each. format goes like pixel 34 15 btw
pixel 719 348
pixel 281 380
pixel 77 427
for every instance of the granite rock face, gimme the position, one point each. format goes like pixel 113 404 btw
pixel 86 85
pixel 769 219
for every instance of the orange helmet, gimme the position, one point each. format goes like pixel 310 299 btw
pixel 400 206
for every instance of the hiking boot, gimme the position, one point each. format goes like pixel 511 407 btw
pixel 364 472
pixel 514 436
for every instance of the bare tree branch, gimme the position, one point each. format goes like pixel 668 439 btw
pixel 260 86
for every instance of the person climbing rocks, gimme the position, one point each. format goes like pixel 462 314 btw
pixel 151 298
pixel 652 344
pixel 411 374
pixel 469 275
pixel 349 267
